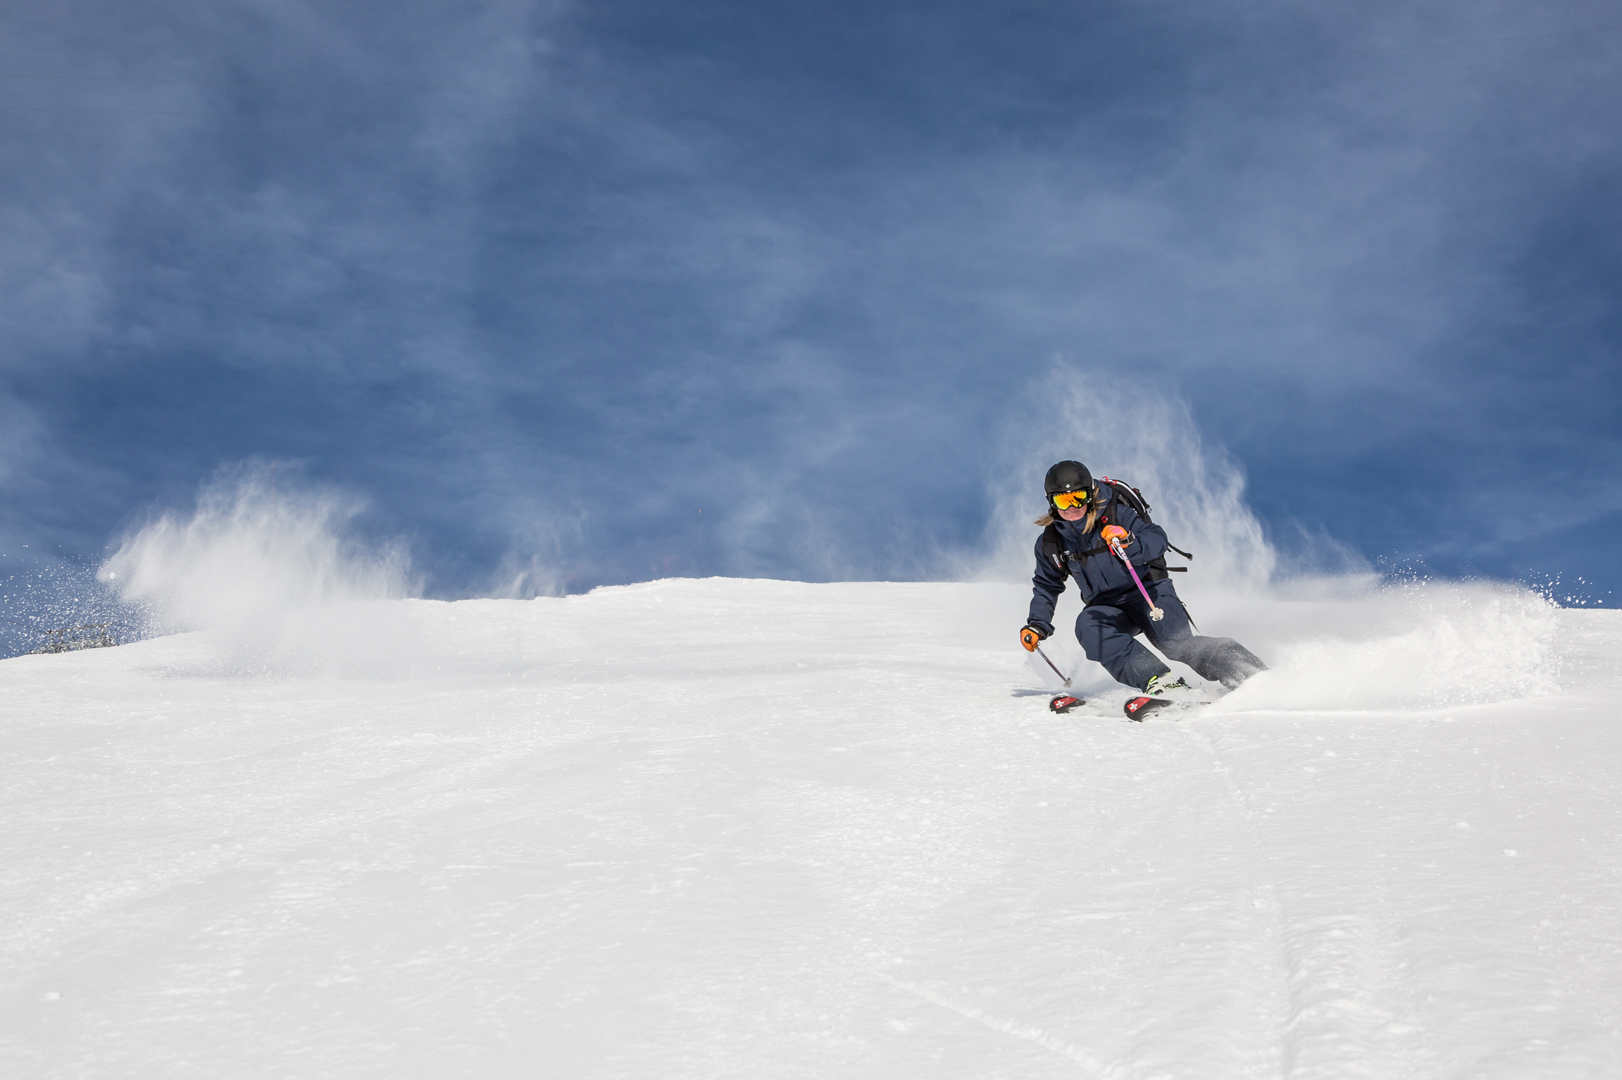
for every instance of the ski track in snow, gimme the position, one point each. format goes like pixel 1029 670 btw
pixel 1009 1027
pixel 754 828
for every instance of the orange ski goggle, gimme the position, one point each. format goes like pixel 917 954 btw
pixel 1065 500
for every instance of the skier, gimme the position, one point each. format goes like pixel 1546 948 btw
pixel 1084 519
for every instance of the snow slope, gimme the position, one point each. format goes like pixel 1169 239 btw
pixel 766 829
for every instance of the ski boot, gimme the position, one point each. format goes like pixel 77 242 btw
pixel 1161 685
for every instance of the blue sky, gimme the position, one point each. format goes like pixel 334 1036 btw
pixel 596 293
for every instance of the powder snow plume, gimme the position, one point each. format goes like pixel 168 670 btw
pixel 253 546
pixel 270 565
pixel 1336 635
pixel 1152 442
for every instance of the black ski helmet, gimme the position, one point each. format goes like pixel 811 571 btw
pixel 1067 476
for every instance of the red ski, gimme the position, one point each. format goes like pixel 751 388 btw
pixel 1142 705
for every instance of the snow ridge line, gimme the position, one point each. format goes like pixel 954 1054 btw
pixel 1027 1032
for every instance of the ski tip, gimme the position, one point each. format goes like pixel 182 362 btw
pixel 1064 703
pixel 1138 706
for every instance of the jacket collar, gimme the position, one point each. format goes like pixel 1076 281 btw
pixel 1074 529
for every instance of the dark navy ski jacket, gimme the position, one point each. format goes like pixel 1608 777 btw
pixel 1101 577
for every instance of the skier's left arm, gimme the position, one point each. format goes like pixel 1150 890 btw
pixel 1148 542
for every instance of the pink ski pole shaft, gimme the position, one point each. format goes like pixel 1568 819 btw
pixel 1154 612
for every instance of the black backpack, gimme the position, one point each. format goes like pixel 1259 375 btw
pixel 1053 548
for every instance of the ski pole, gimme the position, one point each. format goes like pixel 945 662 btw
pixel 1056 671
pixel 1154 612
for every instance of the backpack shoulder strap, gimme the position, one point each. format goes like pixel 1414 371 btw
pixel 1053 550
pixel 1103 518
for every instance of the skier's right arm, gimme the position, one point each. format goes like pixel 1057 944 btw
pixel 1046 585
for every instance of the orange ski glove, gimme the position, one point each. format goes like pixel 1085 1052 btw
pixel 1112 533
pixel 1029 636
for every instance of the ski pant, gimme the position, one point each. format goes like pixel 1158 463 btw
pixel 1108 634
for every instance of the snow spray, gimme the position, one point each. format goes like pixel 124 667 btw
pixel 277 575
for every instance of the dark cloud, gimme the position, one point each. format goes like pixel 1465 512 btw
pixel 581 294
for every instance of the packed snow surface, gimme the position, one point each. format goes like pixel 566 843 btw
pixel 733 828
